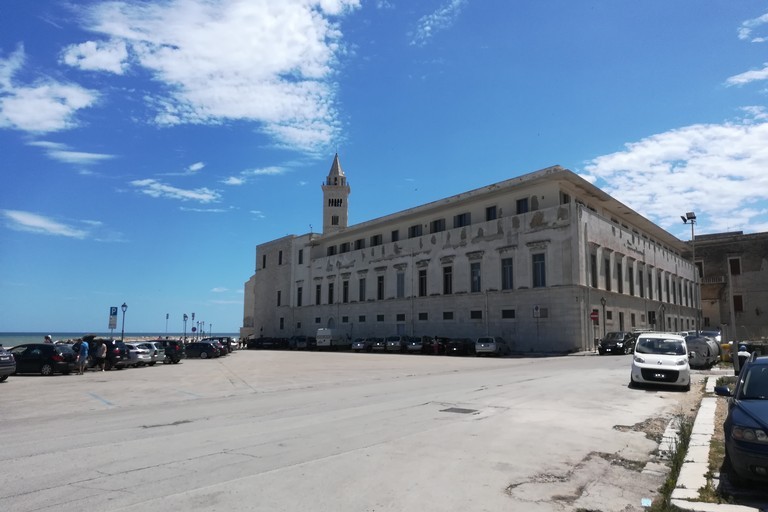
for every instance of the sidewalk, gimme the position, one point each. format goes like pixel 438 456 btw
pixel 693 474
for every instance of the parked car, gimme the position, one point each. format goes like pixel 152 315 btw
pixel 174 351
pixel 396 343
pixel 138 355
pixel 661 358
pixel 201 349
pixel 362 345
pixel 379 345
pixel 460 347
pixel 746 425
pixel 226 341
pixel 414 345
pixel 222 346
pixel 43 358
pixel 156 351
pixel 617 342
pixel 117 352
pixel 297 343
pixel 704 352
pixel 7 364
pixel 492 345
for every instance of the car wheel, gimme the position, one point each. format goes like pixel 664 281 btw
pixel 3 378
pixel 152 363
pixel 203 355
pixel 46 369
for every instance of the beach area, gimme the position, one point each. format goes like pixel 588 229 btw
pixel 11 339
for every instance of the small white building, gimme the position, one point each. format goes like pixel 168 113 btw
pixel 546 260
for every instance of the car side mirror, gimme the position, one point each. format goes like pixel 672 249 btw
pixel 723 391
pixel 691 355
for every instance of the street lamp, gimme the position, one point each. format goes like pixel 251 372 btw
pixel 663 308
pixel 603 302
pixel 691 217
pixel 124 307
pixel 193 321
pixel 184 339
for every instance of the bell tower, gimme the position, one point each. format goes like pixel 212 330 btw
pixel 335 196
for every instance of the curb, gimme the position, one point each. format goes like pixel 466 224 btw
pixel 693 473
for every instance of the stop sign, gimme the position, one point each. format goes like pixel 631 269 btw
pixel 594 315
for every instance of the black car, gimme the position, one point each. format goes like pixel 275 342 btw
pixel 43 358
pixel 7 364
pixel 617 342
pixel 117 352
pixel 174 350
pixel 202 349
pixel 746 426
pixel 460 347
pixel 226 341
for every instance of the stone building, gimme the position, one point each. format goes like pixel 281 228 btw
pixel 733 270
pixel 546 260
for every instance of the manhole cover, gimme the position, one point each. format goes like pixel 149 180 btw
pixel 459 410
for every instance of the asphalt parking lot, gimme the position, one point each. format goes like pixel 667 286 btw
pixel 278 430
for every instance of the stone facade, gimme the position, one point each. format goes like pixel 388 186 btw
pixel 528 259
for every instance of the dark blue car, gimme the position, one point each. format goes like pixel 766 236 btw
pixel 746 426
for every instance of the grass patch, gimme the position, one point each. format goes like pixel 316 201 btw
pixel 663 502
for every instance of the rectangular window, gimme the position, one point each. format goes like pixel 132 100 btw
pixel 361 319
pixel 522 206
pixel 476 314
pixel 400 317
pixel 361 289
pixel 593 269
pixel 668 289
pixel 564 198
pixel 279 297
pixel 318 294
pixel 344 248
pixel 447 315
pixel 299 291
pixel 379 287
pixel 631 278
pixel 280 257
pixel 334 220
pixel 264 261
pixel 506 274
pixel 375 240
pixel 699 269
pixel 447 280
pixel 422 283
pixel 317 319
pixel 640 282
pixel 735 266
pixel 330 293
pixel 650 285
pixel 461 220
pixel 379 318
pixel 359 244
pixel 539 271
pixel 474 273
pixel 738 304
pixel 282 323
pixel 395 235
pixel 331 250
pixel 345 319
pixel 619 278
pixel 345 291
pixel 507 314
pixel 632 319
pixel 414 231
pixel 490 213
pixel 437 225
pixel 658 287
pixel 400 285
pixel 301 256
pixel 607 268
pixel 423 317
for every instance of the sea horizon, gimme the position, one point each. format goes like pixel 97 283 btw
pixel 13 338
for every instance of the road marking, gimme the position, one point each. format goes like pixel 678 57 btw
pixel 101 399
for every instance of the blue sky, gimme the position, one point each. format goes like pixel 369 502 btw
pixel 148 147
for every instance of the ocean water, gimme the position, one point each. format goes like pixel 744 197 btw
pixel 11 339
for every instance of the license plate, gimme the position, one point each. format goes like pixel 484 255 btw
pixel 608 349
pixel 4 358
pixel 659 375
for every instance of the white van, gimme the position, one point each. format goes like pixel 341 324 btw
pixel 661 358
pixel 330 339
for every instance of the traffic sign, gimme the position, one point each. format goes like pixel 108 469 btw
pixel 112 317
pixel 594 315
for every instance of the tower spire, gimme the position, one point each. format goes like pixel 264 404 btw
pixel 335 194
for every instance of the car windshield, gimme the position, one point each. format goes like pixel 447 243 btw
pixel 615 336
pixel 661 346
pixel 485 340
pixel 756 383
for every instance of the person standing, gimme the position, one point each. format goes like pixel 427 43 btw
pixel 101 355
pixel 82 357
pixel 48 339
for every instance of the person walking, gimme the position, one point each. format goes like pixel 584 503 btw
pixel 101 355
pixel 82 357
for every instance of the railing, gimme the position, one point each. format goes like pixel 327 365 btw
pixel 712 280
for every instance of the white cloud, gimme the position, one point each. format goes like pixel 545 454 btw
pixel 253 60
pixel 97 56
pixel 716 170
pixel 219 289
pixel 155 188
pixel 441 19
pixel 62 153
pixel 42 107
pixel 34 223
pixel 232 180
pixel 745 31
pixel 749 76
pixel 196 167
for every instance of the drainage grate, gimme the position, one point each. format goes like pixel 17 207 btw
pixel 459 410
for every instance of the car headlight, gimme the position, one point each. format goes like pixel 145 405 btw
pixel 639 359
pixel 681 362
pixel 751 435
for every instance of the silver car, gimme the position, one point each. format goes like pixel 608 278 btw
pixel 137 355
pixel 492 345
pixel 156 351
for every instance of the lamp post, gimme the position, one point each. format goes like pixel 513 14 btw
pixel 193 321
pixel 691 217
pixel 663 308
pixel 603 302
pixel 124 307
pixel 184 339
